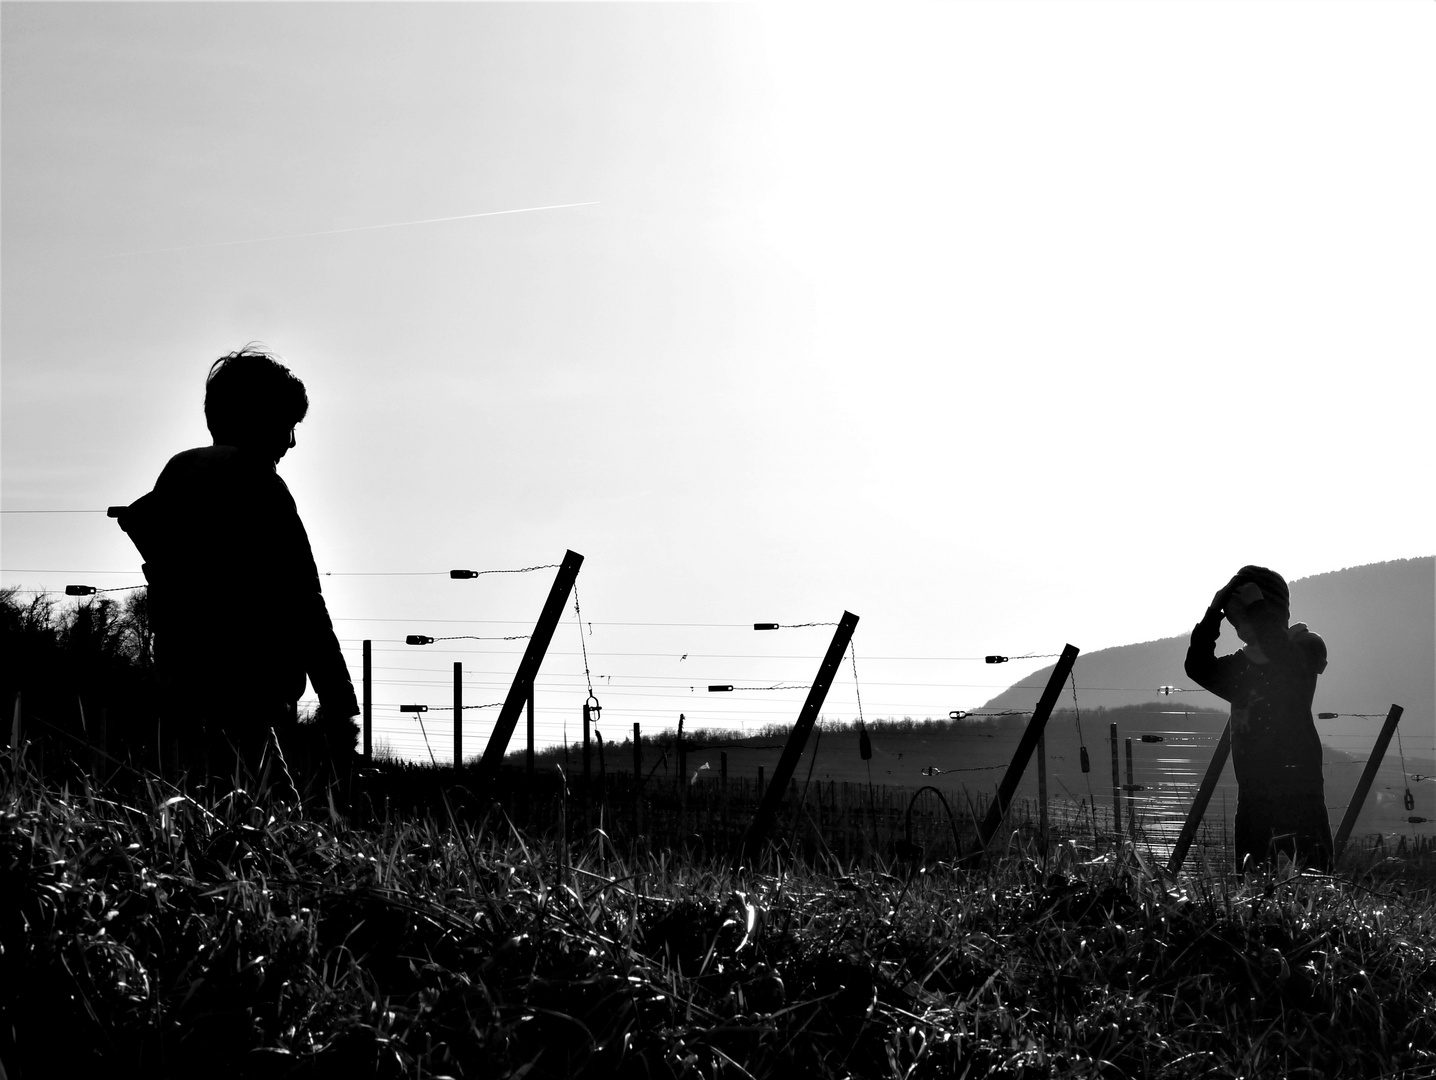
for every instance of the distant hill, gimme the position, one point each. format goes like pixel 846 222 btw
pixel 1379 622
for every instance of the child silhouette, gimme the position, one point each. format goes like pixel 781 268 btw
pixel 239 620
pixel 1270 683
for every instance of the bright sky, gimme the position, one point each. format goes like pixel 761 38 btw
pixel 998 325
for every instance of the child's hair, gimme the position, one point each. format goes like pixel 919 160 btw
pixel 1272 585
pixel 251 393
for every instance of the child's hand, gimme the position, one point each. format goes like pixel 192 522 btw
pixel 1219 600
pixel 1247 594
pixel 340 734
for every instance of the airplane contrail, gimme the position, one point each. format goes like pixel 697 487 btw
pixel 336 232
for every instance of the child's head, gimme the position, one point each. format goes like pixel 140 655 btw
pixel 1251 585
pixel 254 401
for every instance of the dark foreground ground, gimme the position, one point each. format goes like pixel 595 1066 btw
pixel 145 933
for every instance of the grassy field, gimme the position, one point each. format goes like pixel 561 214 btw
pixel 145 932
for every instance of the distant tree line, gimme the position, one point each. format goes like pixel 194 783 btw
pixel 79 670
pixel 620 751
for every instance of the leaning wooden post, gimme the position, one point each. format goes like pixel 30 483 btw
pixel 1199 804
pixel 368 700
pixel 523 683
pixel 787 764
pixel 15 729
pixel 458 715
pixel 1116 790
pixel 1358 797
pixel 637 782
pixel 987 828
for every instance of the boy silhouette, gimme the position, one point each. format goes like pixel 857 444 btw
pixel 235 603
pixel 1270 683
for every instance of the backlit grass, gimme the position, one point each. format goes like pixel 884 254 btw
pixel 150 934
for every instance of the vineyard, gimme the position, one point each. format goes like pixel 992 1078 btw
pixel 820 900
pixel 824 823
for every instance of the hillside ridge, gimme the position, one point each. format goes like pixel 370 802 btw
pixel 1379 623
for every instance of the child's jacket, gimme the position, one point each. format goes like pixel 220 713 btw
pixel 1275 749
pixel 234 593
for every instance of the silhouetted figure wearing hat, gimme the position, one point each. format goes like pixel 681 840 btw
pixel 235 603
pixel 1270 682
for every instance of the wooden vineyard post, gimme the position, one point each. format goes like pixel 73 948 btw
pixel 772 795
pixel 637 782
pixel 587 769
pixel 458 715
pixel 1199 804
pixel 682 754
pixel 528 800
pixel 15 730
pixel 602 777
pixel 1368 774
pixel 368 700
pixel 523 684
pixel 723 789
pixel 1042 789
pixel 1116 790
pixel 1131 797
pixel 987 828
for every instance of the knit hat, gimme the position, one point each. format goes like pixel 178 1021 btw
pixel 1272 585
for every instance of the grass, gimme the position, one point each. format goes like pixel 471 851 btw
pixel 147 933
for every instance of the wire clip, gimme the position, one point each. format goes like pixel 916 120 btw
pixel 414 708
pixel 418 639
pixel 80 590
pixel 765 626
pixel 721 687
pixel 459 575
pixel 1152 738
pixel 957 714
pixel 994 659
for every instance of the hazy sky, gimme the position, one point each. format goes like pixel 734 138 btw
pixel 999 325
